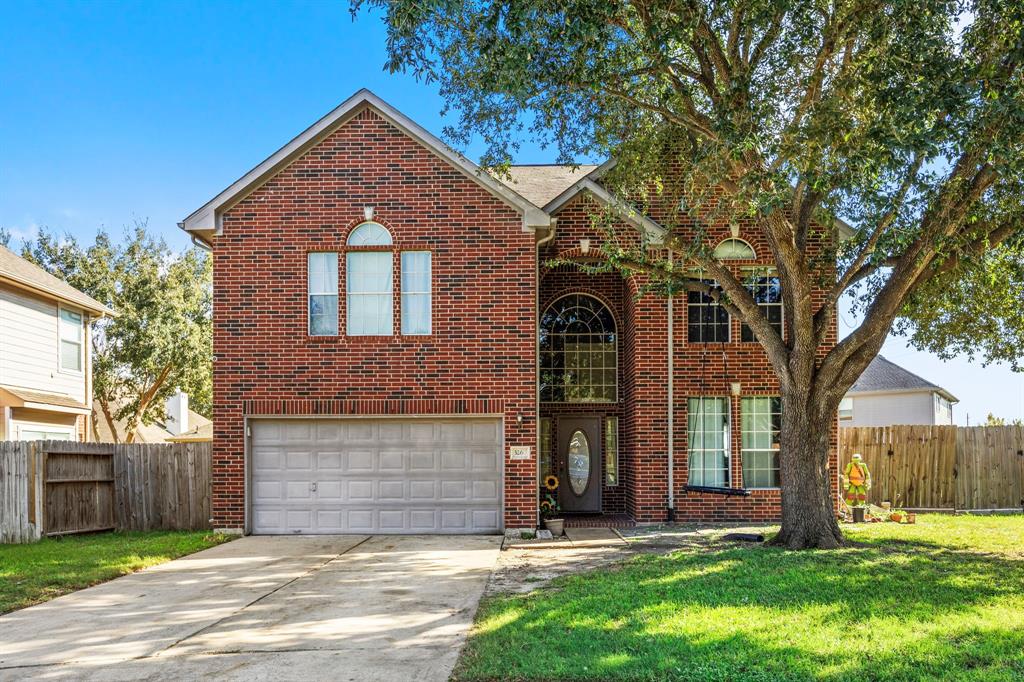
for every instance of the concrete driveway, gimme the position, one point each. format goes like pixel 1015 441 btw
pixel 265 608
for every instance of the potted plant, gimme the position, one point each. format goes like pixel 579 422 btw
pixel 896 515
pixel 550 509
pixel 911 517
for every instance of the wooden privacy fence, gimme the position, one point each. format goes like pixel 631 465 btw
pixel 59 487
pixel 941 467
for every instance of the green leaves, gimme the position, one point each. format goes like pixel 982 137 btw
pixel 161 339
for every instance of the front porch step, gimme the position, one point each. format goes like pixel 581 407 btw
pixel 599 521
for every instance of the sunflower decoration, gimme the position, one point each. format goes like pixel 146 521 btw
pixel 546 507
pixel 551 482
pixel 549 507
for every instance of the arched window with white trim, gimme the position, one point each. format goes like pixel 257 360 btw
pixel 734 248
pixel 369 283
pixel 578 352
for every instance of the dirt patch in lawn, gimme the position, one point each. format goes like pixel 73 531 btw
pixel 525 567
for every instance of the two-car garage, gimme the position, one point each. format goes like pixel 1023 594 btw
pixel 375 475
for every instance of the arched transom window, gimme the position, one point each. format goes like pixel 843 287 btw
pixel 578 360
pixel 734 249
pixel 368 282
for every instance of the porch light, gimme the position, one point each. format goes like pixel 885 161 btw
pixel 368 212
pixel 585 245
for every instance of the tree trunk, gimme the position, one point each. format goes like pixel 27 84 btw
pixel 808 511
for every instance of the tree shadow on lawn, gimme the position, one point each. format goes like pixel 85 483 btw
pixel 879 611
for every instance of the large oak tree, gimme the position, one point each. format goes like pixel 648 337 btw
pixel 904 118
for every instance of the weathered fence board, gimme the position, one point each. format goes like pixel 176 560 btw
pixel 58 487
pixel 941 467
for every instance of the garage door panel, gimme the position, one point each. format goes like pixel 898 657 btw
pixel 376 476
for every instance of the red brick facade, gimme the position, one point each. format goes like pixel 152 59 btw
pixel 481 357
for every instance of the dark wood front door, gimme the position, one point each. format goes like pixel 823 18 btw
pixel 579 452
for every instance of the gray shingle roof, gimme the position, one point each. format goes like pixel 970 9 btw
pixel 541 183
pixel 18 270
pixel 884 375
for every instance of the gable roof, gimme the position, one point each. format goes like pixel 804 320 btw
pixel 114 430
pixel 26 275
pixel 541 183
pixel 884 376
pixel 205 222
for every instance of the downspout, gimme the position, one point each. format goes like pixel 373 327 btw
pixel 536 357
pixel 671 406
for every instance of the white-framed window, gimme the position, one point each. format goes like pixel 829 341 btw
pixel 846 408
pixel 760 425
pixel 72 336
pixel 322 286
pixel 416 293
pixel 369 283
pixel 734 248
pixel 708 436
pixel 763 285
pixel 611 451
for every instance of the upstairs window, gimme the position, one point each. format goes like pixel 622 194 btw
pixel 369 282
pixel 322 285
pixel 707 321
pixel 578 362
pixel 416 295
pixel 71 336
pixel 734 249
pixel 764 286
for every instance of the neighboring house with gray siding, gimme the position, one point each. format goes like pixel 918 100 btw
pixel 45 367
pixel 887 394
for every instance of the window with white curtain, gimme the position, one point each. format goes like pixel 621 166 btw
pixel 369 284
pixel 71 336
pixel 322 283
pixel 708 431
pixel 416 295
pixel 760 425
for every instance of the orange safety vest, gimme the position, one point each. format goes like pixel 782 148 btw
pixel 856 474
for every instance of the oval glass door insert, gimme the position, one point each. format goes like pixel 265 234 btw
pixel 579 462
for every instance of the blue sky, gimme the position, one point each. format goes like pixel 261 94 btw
pixel 117 112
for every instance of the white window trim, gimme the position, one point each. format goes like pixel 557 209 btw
pixel 60 341
pixel 727 436
pixel 744 450
pixel 311 294
pixel 18 426
pixel 390 292
pixel 618 367
pixel 690 306
pixel 429 293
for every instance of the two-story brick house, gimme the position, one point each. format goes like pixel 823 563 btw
pixel 393 355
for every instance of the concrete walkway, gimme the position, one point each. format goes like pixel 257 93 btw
pixel 265 608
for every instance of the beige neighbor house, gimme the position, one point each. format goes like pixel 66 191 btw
pixel 180 424
pixel 886 394
pixel 45 366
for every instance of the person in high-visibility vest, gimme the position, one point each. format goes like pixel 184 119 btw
pixel 858 482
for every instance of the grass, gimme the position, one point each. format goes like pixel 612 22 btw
pixel 939 600
pixel 40 571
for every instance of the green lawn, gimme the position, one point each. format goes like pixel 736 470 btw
pixel 943 599
pixel 35 572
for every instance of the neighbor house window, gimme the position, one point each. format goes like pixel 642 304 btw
pixel 846 408
pixel 760 424
pixel 707 321
pixel 708 433
pixel 763 285
pixel 546 468
pixel 611 451
pixel 416 303
pixel 71 340
pixel 322 283
pixel 578 362
pixel 368 282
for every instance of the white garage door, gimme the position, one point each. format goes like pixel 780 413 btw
pixel 376 476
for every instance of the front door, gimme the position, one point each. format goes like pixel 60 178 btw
pixel 579 451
